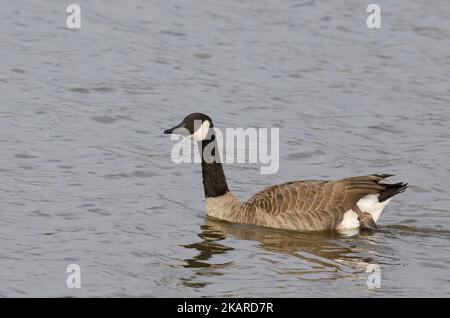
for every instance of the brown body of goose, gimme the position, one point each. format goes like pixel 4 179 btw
pixel 310 205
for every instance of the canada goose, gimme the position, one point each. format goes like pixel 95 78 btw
pixel 310 205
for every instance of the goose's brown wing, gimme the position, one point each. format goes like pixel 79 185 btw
pixel 315 204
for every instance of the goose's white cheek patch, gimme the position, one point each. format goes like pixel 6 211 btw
pixel 201 133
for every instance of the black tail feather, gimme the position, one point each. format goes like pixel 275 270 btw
pixel 391 190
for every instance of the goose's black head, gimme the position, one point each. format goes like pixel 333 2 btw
pixel 195 126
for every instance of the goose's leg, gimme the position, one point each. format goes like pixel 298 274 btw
pixel 366 221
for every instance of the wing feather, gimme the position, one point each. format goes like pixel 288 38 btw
pixel 315 204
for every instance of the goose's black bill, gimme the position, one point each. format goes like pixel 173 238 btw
pixel 169 131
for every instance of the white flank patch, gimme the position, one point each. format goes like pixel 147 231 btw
pixel 350 221
pixel 202 132
pixel 370 204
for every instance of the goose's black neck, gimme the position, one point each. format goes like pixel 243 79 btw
pixel 214 182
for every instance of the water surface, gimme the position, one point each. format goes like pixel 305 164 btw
pixel 86 175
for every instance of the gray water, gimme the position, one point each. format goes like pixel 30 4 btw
pixel 85 171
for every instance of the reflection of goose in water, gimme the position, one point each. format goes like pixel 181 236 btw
pixel 309 205
pixel 208 247
pixel 300 257
pixel 321 250
pixel 324 248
